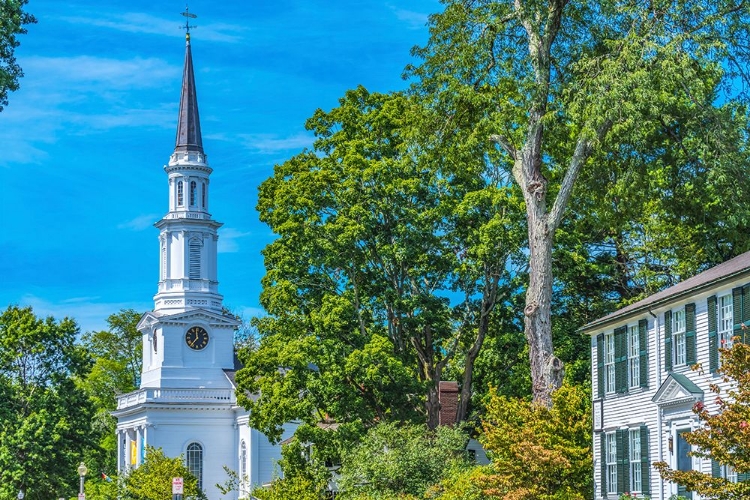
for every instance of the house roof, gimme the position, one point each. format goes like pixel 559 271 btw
pixel 723 272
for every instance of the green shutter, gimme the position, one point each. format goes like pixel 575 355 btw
pixel 713 336
pixel 600 363
pixel 668 341
pixel 690 334
pixel 623 462
pixel 715 468
pixel 621 359
pixel 745 311
pixel 737 311
pixel 643 353
pixel 645 462
pixel 603 440
pixel 745 476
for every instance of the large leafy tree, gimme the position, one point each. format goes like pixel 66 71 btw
pixel 45 418
pixel 117 354
pixel 389 265
pixel 12 21
pixel 555 81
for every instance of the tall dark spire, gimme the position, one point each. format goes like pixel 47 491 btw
pixel 188 123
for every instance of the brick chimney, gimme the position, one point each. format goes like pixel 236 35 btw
pixel 448 398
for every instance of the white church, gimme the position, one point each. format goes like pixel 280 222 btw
pixel 186 403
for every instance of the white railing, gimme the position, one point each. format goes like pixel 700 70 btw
pixel 175 396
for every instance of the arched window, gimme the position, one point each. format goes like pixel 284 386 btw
pixel 203 195
pixel 179 194
pixel 194 259
pixel 194 457
pixel 193 187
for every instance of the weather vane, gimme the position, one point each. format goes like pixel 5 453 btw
pixel 188 17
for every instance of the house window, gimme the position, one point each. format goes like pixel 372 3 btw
pixel 730 474
pixel 609 362
pixel 194 457
pixel 678 337
pixel 634 357
pixel 611 441
pixel 179 194
pixel 203 195
pixel 726 320
pixel 193 188
pixel 634 441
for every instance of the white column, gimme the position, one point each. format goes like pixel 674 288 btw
pixel 118 436
pixel 128 447
pixel 139 445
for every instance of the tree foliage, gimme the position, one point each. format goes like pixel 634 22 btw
pixel 152 480
pixel 44 416
pixel 724 434
pixel 399 461
pixel 12 22
pixel 558 85
pixel 117 354
pixel 537 452
pixel 388 267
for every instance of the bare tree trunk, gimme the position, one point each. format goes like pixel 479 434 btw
pixel 546 368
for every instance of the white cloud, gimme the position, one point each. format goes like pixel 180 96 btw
pixel 137 22
pixel 269 143
pixel 88 313
pixel 228 240
pixel 415 20
pixel 100 73
pixel 139 223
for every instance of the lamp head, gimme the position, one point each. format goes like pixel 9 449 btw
pixel 82 469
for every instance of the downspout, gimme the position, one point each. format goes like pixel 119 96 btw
pixel 659 444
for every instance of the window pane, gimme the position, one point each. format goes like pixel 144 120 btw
pixel 194 459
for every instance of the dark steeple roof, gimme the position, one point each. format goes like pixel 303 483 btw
pixel 188 123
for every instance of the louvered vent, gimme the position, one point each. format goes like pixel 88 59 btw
pixel 195 259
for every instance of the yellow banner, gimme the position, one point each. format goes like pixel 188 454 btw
pixel 133 452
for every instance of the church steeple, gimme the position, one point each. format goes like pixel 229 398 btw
pixel 188 123
pixel 188 238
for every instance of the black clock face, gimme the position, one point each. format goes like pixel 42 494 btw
pixel 196 338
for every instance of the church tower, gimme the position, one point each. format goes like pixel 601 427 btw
pixel 186 404
pixel 188 337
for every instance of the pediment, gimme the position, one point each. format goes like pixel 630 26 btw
pixel 150 319
pixel 677 389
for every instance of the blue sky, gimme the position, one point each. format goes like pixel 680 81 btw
pixel 83 142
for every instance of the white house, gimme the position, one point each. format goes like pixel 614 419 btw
pixel 644 384
pixel 186 403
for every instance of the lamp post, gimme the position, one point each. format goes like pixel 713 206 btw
pixel 82 470
pixel 20 495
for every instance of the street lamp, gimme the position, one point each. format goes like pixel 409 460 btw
pixel 82 470
pixel 20 495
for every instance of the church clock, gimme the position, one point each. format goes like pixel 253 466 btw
pixel 196 338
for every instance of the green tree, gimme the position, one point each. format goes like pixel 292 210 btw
pixel 117 354
pixel 12 21
pixel 538 453
pixel 724 435
pixel 296 488
pixel 395 459
pixel 389 265
pixel 152 480
pixel 45 418
pixel 554 81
